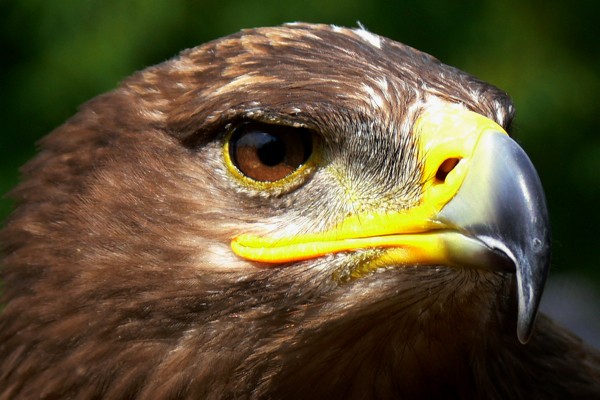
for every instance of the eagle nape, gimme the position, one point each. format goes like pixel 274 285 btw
pixel 304 211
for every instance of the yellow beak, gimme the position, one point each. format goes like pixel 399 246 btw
pixel 482 207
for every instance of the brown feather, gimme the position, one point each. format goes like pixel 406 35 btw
pixel 118 277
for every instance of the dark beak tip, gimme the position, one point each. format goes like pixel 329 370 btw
pixel 525 330
pixel 530 282
pixel 501 201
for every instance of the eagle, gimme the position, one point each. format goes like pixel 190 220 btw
pixel 297 212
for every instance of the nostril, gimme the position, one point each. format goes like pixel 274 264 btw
pixel 445 168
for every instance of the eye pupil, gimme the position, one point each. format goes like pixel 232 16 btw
pixel 272 151
pixel 269 153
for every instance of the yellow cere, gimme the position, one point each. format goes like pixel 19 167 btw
pixel 411 236
pixel 448 132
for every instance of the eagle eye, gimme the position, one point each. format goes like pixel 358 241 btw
pixel 268 153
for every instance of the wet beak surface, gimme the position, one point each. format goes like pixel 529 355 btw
pixel 501 203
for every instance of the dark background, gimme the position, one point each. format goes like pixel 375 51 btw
pixel 546 55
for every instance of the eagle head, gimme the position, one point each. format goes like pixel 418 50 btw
pixel 304 211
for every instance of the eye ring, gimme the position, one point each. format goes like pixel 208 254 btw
pixel 269 156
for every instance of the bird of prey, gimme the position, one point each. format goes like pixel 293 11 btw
pixel 305 211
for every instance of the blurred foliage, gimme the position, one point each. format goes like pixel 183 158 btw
pixel 56 55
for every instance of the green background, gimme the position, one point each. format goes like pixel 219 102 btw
pixel 546 55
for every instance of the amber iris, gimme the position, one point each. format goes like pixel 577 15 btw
pixel 268 153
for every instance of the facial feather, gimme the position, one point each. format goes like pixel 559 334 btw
pixel 119 277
